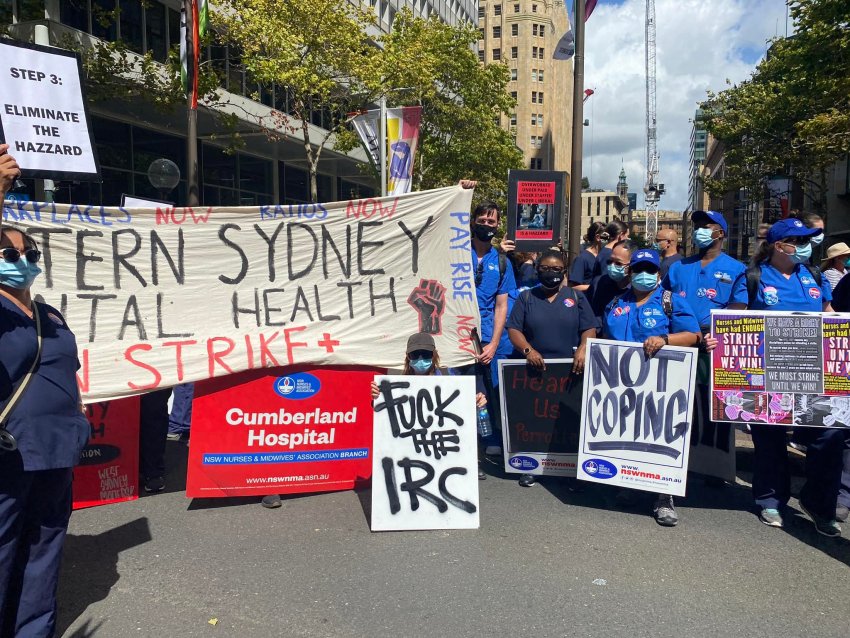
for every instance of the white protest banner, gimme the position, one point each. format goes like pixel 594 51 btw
pixel 158 297
pixel 42 112
pixel 635 422
pixel 425 454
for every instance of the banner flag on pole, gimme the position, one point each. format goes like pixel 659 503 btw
pixel 367 125
pixel 402 141
pixel 196 54
pixel 566 47
pixel 184 52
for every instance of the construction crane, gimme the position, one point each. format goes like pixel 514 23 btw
pixel 652 190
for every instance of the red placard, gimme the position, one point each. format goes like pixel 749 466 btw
pixel 535 193
pixel 109 465
pixel 281 431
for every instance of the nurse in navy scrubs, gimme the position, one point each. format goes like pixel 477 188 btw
pixel 551 322
pixel 649 315
pixel 49 432
pixel 786 283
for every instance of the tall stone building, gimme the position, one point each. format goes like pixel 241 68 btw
pixel 523 35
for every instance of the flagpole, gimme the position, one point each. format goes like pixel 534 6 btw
pixel 383 154
pixel 192 178
pixel 574 235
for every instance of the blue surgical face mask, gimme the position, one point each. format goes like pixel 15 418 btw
pixel 421 366
pixel 802 254
pixel 19 274
pixel 645 281
pixel 817 240
pixel 847 262
pixel 616 272
pixel 703 237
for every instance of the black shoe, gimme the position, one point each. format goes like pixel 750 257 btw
pixel 841 513
pixel 271 501
pixel 527 480
pixel 154 485
pixel 481 475
pixel 826 526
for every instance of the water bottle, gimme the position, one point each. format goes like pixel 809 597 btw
pixel 484 427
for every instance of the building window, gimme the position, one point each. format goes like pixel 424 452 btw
pixel 513 95
pixel 514 29
pixel 516 8
pixel 534 29
pixel 540 75
pixel 540 119
pixel 497 54
pixel 481 12
pixel 74 13
pixel 480 34
pixel 481 56
pixel 534 119
pixel 514 53
pixel 497 9
pixel 540 97
pixel 536 163
pixel 513 119
pixel 497 32
pixel 534 97
pixel 513 74
pixel 534 8
pixel 533 53
pixel 540 53
pixel 542 31
pixel 534 75
pixel 533 141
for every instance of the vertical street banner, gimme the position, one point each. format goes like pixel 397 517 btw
pixel 282 431
pixel 368 127
pixel 108 471
pixel 636 416
pixel 425 454
pixel 162 296
pixel 402 141
pixel 536 205
pixel 43 115
pixel 541 414
pixel 783 368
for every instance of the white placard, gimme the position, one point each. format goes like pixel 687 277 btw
pixel 425 454
pixel 42 112
pixel 636 417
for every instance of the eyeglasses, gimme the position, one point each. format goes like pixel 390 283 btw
pixel 420 354
pixel 479 273
pixel 554 269
pixel 796 241
pixel 13 254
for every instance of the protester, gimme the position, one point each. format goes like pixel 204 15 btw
pixel 613 282
pixel 180 417
pixel 786 283
pixel 524 271
pixel 834 266
pixel 153 434
pixel 43 433
pixel 551 321
pixel 581 272
pixel 654 317
pixel 667 244
pixel 615 233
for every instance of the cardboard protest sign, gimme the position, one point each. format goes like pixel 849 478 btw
pixel 425 454
pixel 635 421
pixel 541 413
pixel 43 114
pixel 536 204
pixel 783 368
pixel 281 431
pixel 108 471
pixel 159 297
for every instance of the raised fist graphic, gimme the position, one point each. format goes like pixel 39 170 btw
pixel 429 300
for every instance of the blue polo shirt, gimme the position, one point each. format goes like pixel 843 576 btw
pixel 800 292
pixel 553 328
pixel 625 321
pixel 490 287
pixel 47 422
pixel 721 282
pixel 582 269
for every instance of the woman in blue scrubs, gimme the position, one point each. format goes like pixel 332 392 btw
pixel 551 321
pixel 649 315
pixel 581 272
pixel 786 283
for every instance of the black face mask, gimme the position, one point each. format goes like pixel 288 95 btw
pixel 483 233
pixel 550 279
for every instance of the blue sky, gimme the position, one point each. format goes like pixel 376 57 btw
pixel 701 45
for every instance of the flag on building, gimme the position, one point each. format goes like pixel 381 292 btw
pixel 403 126
pixel 566 47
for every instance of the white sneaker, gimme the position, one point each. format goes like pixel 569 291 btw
pixel 492 450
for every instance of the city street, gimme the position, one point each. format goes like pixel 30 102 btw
pixel 546 562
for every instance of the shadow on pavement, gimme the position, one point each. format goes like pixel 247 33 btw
pixel 90 571
pixel 801 527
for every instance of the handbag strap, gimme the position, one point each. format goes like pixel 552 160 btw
pixel 22 386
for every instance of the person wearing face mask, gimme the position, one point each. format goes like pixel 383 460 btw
pixel 615 233
pixel 649 315
pixel 581 272
pixel 834 266
pixel 42 433
pixel 784 282
pixel 612 283
pixel 551 321
pixel 667 245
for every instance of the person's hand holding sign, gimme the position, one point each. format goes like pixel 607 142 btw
pixel 9 170
pixel 653 345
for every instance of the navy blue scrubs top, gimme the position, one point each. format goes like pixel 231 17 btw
pixel 553 328
pixel 582 269
pixel 602 260
pixel 47 422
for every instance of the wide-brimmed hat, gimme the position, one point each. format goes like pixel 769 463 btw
pixel 420 341
pixel 836 250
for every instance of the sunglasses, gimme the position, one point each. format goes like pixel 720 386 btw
pixel 796 241
pixel 420 354
pixel 12 255
pixel 644 267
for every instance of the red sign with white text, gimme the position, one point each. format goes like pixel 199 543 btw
pixel 281 431
pixel 535 193
pixel 109 465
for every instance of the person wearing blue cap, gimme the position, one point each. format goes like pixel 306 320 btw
pixel 781 280
pixel 654 317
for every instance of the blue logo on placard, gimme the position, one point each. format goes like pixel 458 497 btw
pixel 523 463
pixel 599 468
pixel 297 386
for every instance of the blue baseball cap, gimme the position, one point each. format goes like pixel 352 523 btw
pixel 710 216
pixel 790 227
pixel 647 256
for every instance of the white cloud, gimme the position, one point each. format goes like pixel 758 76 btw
pixel 700 45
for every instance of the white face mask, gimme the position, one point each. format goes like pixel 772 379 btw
pixel 817 240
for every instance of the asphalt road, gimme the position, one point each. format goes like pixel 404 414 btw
pixel 546 562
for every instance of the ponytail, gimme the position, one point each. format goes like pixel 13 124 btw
pixel 763 253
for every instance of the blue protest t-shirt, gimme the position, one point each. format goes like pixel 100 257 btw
pixel 625 321
pixel 721 282
pixel 488 286
pixel 582 269
pixel 799 292
pixel 553 328
pixel 47 423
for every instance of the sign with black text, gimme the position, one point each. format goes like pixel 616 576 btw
pixel 636 416
pixel 541 412
pixel 424 454
pixel 536 204
pixel 43 114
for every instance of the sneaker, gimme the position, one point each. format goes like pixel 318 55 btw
pixel 493 450
pixel 177 436
pixel 826 526
pixel 271 501
pixel 798 446
pixel 527 480
pixel 154 485
pixel 772 517
pixel 665 511
pixel 841 513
